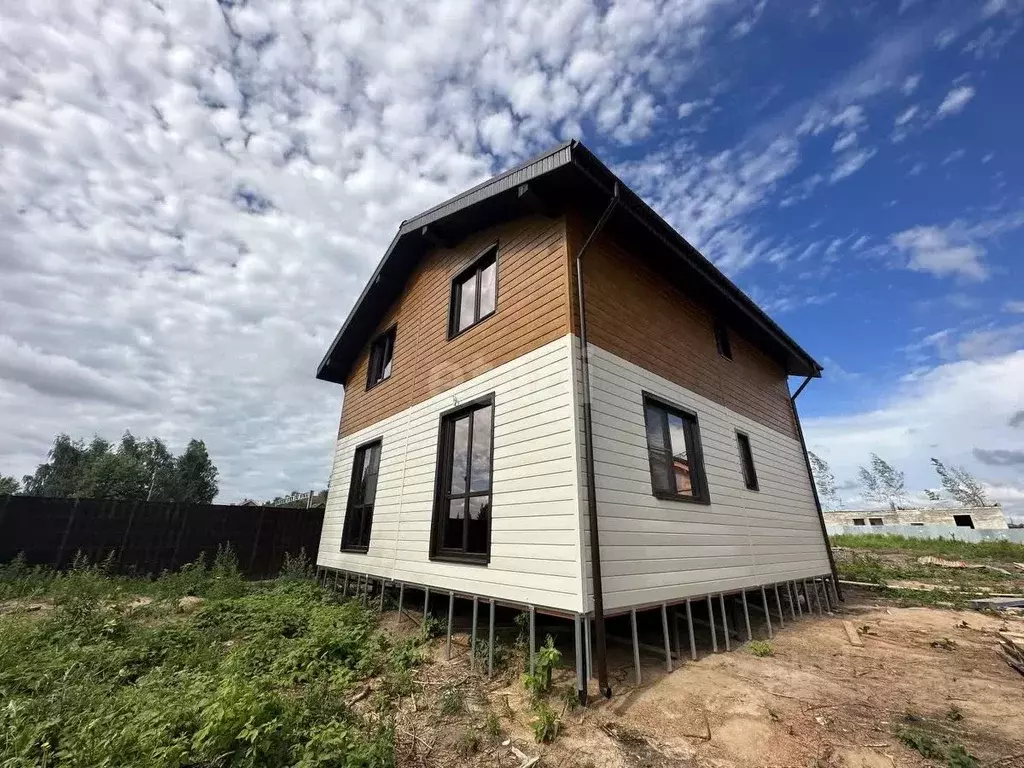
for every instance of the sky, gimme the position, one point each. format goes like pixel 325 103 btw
pixel 193 193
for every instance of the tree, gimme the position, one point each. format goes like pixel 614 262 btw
pixel 136 469
pixel 960 484
pixel 9 486
pixel 825 482
pixel 932 495
pixel 196 475
pixel 883 483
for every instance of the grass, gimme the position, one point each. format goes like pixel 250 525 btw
pixel 932 746
pixel 761 648
pixel 261 674
pixel 998 551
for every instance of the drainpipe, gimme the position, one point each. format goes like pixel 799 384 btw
pixel 814 488
pixel 588 439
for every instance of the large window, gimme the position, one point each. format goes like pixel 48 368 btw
pixel 673 446
pixel 361 495
pixel 382 352
pixel 462 508
pixel 747 462
pixel 474 293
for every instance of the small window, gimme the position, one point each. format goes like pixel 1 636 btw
pixel 674 450
pixel 462 509
pixel 921 524
pixel 474 293
pixel 963 521
pixel 361 496
pixel 722 340
pixel 747 462
pixel 858 521
pixel 382 353
pixel 876 521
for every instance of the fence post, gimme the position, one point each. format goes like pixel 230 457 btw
pixel 59 561
pixel 255 542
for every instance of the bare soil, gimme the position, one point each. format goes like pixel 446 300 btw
pixel 817 701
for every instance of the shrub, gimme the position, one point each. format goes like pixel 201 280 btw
pixel 297 568
pixel 452 701
pixel 761 648
pixel 544 724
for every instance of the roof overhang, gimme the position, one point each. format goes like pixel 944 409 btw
pixel 568 172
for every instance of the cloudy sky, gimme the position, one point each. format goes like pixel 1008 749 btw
pixel 192 194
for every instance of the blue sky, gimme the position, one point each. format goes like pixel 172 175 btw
pixel 192 195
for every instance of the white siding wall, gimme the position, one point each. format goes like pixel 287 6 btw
pixel 654 550
pixel 535 549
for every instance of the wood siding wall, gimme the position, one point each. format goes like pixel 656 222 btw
pixel 535 547
pixel 655 550
pixel 636 314
pixel 532 310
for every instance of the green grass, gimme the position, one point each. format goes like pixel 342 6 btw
pixel 259 675
pixel 761 648
pixel 935 746
pixel 999 551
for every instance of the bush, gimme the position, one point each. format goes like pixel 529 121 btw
pixel 544 724
pixel 761 648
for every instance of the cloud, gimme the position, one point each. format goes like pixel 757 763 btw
pixel 999 457
pixel 1016 307
pixel 687 108
pixel 939 411
pixel 1017 420
pixel 910 84
pixel 955 101
pixel 906 115
pixel 850 164
pixel 935 250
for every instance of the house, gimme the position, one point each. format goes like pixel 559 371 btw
pixel 481 440
pixel 982 518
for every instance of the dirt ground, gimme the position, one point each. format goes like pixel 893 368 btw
pixel 817 701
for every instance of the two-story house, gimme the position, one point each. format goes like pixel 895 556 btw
pixel 553 401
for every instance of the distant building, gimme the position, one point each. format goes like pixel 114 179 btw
pixel 964 517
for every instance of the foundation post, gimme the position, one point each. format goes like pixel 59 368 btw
pixel 533 639
pixel 451 613
pixel 675 634
pixel 426 604
pixel 711 623
pixel 490 644
pixel 725 621
pixel 581 680
pixel 401 598
pixel 746 617
pixel 689 626
pixel 799 606
pixel 636 646
pixel 344 587
pixel 835 591
pixel 767 616
pixel 664 631
pixel 472 638
pixel 789 596
pixel 589 649
pixel 778 602
pixel 380 605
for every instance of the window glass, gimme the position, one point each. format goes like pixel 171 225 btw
pixel 747 462
pixel 680 462
pixel 467 303
pixel 381 356
pixel 362 494
pixel 460 454
pixel 488 283
pixel 480 472
pixel 474 293
pixel 673 445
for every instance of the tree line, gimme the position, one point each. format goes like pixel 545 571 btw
pixel 133 469
pixel 883 483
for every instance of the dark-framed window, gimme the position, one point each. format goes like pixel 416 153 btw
pixel 858 521
pixel 747 462
pixel 674 450
pixel 362 493
pixel 382 353
pixel 876 521
pixel 722 341
pixel 461 526
pixel 474 293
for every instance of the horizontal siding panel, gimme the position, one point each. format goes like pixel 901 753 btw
pixel 535 509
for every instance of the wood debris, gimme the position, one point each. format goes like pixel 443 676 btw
pixel 1011 648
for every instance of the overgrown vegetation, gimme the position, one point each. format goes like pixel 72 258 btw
pixel 257 675
pixel 999 551
pixel 916 733
pixel 761 648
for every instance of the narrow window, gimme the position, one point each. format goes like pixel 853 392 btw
pixel 747 462
pixel 876 521
pixel 462 509
pixel 474 293
pixel 921 524
pixel 674 450
pixel 722 340
pixel 858 521
pixel 361 495
pixel 382 352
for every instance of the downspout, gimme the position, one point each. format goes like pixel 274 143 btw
pixel 588 439
pixel 814 487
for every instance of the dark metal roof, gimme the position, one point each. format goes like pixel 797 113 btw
pixel 569 171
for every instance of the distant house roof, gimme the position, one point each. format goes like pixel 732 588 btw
pixel 569 171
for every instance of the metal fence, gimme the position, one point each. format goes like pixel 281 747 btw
pixel 148 537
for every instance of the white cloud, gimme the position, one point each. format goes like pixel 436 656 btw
pixel 955 101
pixel 192 194
pixel 941 253
pixel 944 411
pixel 1014 306
pixel 910 84
pixel 906 115
pixel 687 108
pixel 845 141
pixel 850 164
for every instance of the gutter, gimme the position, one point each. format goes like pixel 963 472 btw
pixel 588 439
pixel 814 488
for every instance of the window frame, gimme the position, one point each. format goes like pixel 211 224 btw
pixel 475 269
pixel 694 448
pixel 390 334
pixel 860 521
pixel 723 343
pixel 880 521
pixel 346 526
pixel 747 461
pixel 442 480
